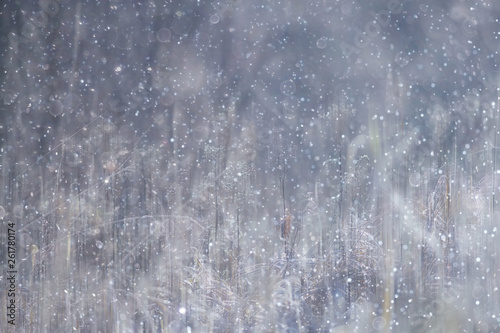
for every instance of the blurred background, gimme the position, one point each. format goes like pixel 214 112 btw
pixel 232 166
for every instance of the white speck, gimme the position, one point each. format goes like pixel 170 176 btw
pixel 415 179
pixel 321 43
pixel 182 310
pixel 214 19
pixel 163 35
pixel 378 323
pixel 288 87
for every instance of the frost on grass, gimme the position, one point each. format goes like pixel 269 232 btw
pixel 240 166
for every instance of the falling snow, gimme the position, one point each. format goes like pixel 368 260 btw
pixel 251 166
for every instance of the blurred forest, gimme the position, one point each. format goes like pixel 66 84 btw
pixel 251 166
